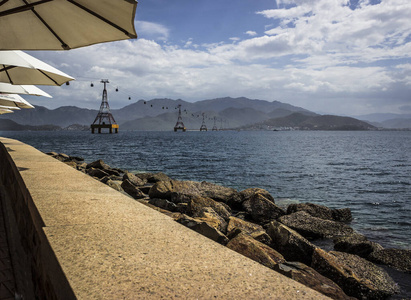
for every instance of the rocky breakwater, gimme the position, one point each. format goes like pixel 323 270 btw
pixel 251 223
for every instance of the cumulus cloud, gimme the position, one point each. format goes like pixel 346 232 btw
pixel 151 30
pixel 316 54
pixel 251 33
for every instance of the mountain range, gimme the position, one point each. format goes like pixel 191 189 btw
pixel 161 114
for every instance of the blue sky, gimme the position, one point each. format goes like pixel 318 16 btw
pixel 329 56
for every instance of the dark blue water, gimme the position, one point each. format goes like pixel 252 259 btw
pixel 367 171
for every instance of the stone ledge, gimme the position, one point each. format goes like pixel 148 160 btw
pixel 107 245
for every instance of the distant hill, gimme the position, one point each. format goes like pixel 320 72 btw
pixel 382 117
pixel 9 125
pixel 161 114
pixel 397 123
pixel 62 116
pixel 390 121
pixel 317 122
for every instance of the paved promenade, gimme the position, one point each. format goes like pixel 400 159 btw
pixel 109 246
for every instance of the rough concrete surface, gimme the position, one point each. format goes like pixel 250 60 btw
pixel 110 246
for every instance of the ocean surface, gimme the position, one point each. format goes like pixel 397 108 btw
pixel 367 171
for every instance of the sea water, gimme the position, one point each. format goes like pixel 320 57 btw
pixel 366 171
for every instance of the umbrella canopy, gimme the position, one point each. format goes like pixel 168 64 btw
pixel 17 67
pixel 14 100
pixel 64 24
pixel 9 107
pixel 5 111
pixel 8 88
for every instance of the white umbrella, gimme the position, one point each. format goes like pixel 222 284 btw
pixel 17 67
pixel 8 88
pixel 9 107
pixel 5 111
pixel 14 100
pixel 64 24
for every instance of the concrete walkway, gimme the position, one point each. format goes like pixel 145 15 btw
pixel 110 246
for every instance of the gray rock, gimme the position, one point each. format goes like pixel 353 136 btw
pixel 262 210
pixel 399 259
pixel 254 230
pixel 133 179
pixel 203 228
pixel 183 191
pixel 342 215
pixel 115 184
pixel 211 217
pixel 98 164
pixel 257 251
pixel 249 193
pixel 356 276
pixel 321 211
pixel 96 173
pixel 312 227
pixel 111 177
pixel 132 190
pixel 311 278
pixel 356 244
pixel 164 204
pixel 153 177
pixel 196 205
pixel 290 244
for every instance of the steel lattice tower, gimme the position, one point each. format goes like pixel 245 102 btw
pixel 203 125
pixel 104 115
pixel 215 125
pixel 179 124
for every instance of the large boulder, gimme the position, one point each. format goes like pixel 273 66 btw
pixel 356 276
pixel 203 228
pixel 98 173
pixel 137 181
pixel 132 190
pixel 261 209
pixel 153 177
pixel 321 211
pixel 111 177
pixel 311 278
pixel 98 164
pixel 342 214
pixel 289 243
pixel 164 204
pixel 357 244
pixel 255 250
pixel 115 184
pixel 312 227
pixel 399 259
pixel 196 205
pixel 211 217
pixel 254 230
pixel 188 189
pixel 248 193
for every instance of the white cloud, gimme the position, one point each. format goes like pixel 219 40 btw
pixel 149 30
pixel 234 39
pixel 251 33
pixel 320 54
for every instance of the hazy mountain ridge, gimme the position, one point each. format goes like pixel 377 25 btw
pixel 161 114
pixel 157 108
pixel 388 120
pixel 316 122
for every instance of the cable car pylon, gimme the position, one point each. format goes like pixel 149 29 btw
pixel 179 125
pixel 203 125
pixel 215 125
pixel 104 115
